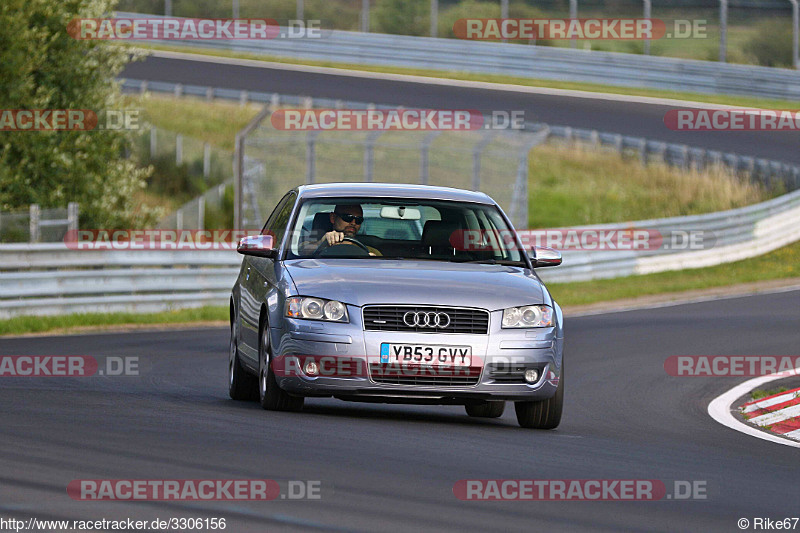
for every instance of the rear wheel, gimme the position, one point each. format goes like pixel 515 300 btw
pixel 271 396
pixel 487 409
pixel 241 385
pixel 545 414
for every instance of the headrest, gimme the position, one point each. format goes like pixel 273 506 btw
pixel 438 233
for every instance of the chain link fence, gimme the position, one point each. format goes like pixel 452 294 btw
pixel 38 225
pixel 274 161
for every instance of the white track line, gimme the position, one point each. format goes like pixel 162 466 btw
pixel 720 410
pixel 426 80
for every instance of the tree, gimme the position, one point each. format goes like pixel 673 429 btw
pixel 42 67
pixel 403 17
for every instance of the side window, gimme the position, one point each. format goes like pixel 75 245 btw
pixel 276 225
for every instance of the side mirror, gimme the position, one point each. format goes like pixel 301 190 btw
pixel 258 246
pixel 542 256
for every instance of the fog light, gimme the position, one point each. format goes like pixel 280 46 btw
pixel 531 375
pixel 311 368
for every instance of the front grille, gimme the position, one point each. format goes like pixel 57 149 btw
pixel 425 375
pixel 390 318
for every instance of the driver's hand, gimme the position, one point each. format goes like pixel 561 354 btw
pixel 332 237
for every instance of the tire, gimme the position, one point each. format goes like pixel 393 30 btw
pixel 270 395
pixel 241 385
pixel 488 409
pixel 545 414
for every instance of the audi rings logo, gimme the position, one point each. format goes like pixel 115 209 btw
pixel 426 320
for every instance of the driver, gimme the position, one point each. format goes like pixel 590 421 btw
pixel 346 221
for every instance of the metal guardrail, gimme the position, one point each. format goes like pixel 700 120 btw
pixel 527 61
pixel 33 282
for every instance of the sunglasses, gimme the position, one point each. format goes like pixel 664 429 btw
pixel 349 218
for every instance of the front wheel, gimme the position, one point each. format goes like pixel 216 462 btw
pixel 241 385
pixel 545 414
pixel 270 395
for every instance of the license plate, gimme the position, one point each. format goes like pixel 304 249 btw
pixel 427 354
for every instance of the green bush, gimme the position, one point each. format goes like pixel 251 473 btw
pixel 402 17
pixel 772 44
pixel 221 217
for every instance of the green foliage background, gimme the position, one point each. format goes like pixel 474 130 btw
pixel 41 67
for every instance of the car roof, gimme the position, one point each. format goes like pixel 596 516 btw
pixel 392 190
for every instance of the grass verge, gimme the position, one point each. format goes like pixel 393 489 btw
pixel 744 101
pixel 70 323
pixel 757 394
pixel 576 185
pixel 780 264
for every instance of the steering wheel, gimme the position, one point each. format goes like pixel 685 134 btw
pixel 325 246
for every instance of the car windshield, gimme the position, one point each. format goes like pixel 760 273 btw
pixel 395 228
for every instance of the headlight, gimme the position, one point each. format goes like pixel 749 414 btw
pixel 316 309
pixel 529 316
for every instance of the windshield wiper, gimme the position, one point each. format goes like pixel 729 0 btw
pixel 496 262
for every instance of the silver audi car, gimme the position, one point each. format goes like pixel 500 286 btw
pixel 396 294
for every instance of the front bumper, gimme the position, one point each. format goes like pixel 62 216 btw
pixel 348 360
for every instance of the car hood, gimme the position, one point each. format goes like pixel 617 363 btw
pixel 375 281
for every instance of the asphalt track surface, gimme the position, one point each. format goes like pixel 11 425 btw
pixel 629 118
pixel 392 468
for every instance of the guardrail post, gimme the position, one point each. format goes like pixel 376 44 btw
pixel 143 87
pixel 206 160
pixel 168 8
pixel 210 94
pixel 179 219
pixel 573 14
pixel 33 223
pixel 504 13
pixel 72 216
pixel 153 142
pixel 365 16
pixel 243 98
pixel 201 212
pixel 795 34
pixel 308 102
pixel 274 102
pixel 476 161
pixel 424 157
pixel 434 18
pixel 643 151
pixel 369 154
pixel 723 29
pixel 618 143
pixel 178 90
pixel 178 149
pixel 300 10
pixel 647 13
pixel 311 159
pixel 235 9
